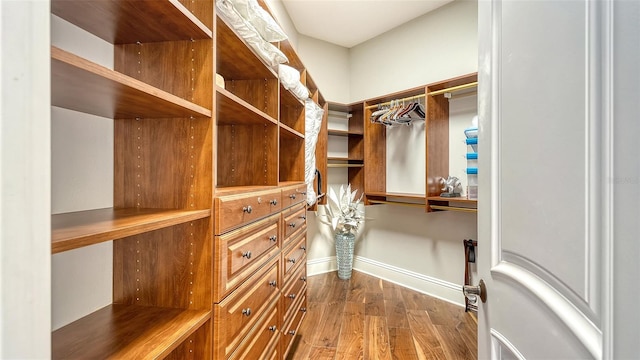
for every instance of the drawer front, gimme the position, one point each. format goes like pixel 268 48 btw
pixel 232 211
pixel 242 251
pixel 290 331
pixel 262 341
pixel 294 255
pixel 294 221
pixel 240 311
pixel 293 290
pixel 292 195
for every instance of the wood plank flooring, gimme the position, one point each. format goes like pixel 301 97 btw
pixel 369 318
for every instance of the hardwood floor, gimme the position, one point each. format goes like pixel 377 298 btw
pixel 369 318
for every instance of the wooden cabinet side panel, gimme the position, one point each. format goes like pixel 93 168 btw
pixel 169 267
pixel 195 347
pixel 261 93
pixel 202 9
pixel 182 68
pixel 247 155
pixel 437 142
pixel 375 155
pixel 163 163
pixel 291 162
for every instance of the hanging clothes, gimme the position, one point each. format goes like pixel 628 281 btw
pixel 398 112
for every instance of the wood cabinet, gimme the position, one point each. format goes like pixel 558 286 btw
pixel 209 217
pixel 160 222
pixel 367 145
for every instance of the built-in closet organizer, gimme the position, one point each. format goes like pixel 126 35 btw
pixel 160 222
pixel 436 98
pixel 345 142
pixel 259 205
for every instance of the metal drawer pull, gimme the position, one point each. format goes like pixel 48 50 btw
pixel 273 238
pixel 292 196
pixel 292 260
pixel 273 283
pixel 302 247
pixel 291 296
pixel 292 225
pixel 246 312
pixel 303 278
pixel 292 332
pixel 303 309
pixel 303 217
pixel 247 209
pixel 273 328
pixel 247 254
pixel 273 202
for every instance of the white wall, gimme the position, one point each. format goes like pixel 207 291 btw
pixel 436 46
pixel 328 65
pixel 81 179
pixel 405 244
pixel 25 219
pixel 280 13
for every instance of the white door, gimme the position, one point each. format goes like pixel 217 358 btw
pixel 559 175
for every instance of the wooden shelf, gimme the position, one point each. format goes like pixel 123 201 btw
pixel 83 228
pixel 235 59
pixel 127 332
pixel 455 199
pixel 335 158
pixel 330 165
pixel 130 21
pixel 345 133
pixel 79 84
pixel 449 204
pixel 289 132
pixel 232 110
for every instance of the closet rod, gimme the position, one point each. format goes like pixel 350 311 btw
pixel 389 102
pixel 453 88
pixel 344 165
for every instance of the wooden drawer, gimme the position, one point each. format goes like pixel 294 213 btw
pixel 241 252
pixel 290 330
pixel 262 341
pixel 232 211
pixel 294 220
pixel 293 290
pixel 239 312
pixel 294 194
pixel 294 255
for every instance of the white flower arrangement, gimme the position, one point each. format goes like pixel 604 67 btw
pixel 343 212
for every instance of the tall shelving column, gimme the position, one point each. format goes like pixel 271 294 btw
pixel 160 97
pixel 351 132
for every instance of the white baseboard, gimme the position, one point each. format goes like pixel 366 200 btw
pixel 444 290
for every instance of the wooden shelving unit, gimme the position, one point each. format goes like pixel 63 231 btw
pixel 437 138
pixel 353 133
pixel 437 146
pixel 160 222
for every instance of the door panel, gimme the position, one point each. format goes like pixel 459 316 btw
pixel 542 226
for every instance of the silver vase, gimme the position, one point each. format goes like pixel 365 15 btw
pixel 344 253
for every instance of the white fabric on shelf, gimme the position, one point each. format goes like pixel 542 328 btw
pixel 290 79
pixel 265 50
pixel 264 23
pixel 313 123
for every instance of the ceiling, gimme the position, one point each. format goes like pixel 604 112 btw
pixel 350 22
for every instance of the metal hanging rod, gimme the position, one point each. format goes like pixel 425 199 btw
pixel 389 102
pixel 453 208
pixel 453 88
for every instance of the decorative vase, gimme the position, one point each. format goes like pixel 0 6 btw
pixel 344 253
